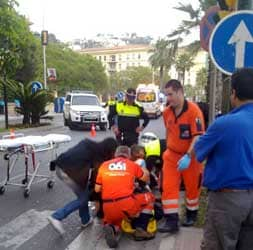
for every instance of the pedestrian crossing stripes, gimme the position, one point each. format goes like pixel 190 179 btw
pixel 22 228
pixel 20 232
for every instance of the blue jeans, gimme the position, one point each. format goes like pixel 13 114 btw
pixel 80 203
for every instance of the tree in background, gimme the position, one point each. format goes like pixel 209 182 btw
pixel 183 63
pixel 191 24
pixel 201 85
pixel 74 70
pixel 163 56
pixel 32 105
pixel 130 77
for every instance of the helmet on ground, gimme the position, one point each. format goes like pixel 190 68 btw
pixel 120 96
pixel 151 143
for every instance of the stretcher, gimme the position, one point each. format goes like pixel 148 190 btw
pixel 28 147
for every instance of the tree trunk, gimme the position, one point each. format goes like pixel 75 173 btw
pixel 226 94
pixel 161 77
pixel 26 119
pixel 35 119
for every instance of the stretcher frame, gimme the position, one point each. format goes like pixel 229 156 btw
pixel 29 151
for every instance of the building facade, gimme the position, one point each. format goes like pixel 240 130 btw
pixel 121 57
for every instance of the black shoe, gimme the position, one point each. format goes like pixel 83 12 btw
pixel 168 227
pixel 110 236
pixel 140 234
pixel 190 219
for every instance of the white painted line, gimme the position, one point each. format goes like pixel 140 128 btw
pixel 23 228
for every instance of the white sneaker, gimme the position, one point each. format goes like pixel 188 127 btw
pixel 57 225
pixel 87 223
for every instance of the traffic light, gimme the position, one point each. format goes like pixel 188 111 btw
pixel 228 5
pixel 44 37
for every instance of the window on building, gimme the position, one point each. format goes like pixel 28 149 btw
pixel 99 58
pixel 133 64
pixel 104 58
pixel 113 58
pixel 119 57
pixel 127 57
pixel 119 66
pixel 139 56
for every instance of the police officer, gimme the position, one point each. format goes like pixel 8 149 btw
pixel 125 118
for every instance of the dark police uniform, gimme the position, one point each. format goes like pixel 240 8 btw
pixel 127 117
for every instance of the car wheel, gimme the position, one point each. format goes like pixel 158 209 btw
pixel 71 126
pixel 103 127
pixel 65 121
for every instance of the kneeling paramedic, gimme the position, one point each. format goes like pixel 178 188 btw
pixel 115 180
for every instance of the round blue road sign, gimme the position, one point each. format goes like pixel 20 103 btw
pixel 231 43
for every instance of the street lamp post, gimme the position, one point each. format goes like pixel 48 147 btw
pixel 44 42
pixel 45 66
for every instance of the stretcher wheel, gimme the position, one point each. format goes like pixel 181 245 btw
pixel 2 190
pixel 50 184
pixel 27 193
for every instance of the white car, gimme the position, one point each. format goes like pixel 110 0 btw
pixel 83 109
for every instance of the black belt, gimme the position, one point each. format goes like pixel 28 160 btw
pixel 231 190
pixel 117 199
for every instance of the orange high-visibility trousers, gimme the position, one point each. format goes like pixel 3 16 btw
pixel 171 180
pixel 116 211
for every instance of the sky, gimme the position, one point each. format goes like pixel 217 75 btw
pixel 76 19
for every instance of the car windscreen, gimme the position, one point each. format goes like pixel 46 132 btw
pixel 85 100
pixel 146 96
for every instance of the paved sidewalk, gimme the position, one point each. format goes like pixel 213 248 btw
pixel 186 239
pixel 55 123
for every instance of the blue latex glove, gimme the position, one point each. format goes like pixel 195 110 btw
pixel 184 162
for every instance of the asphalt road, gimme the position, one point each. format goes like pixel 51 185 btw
pixel 23 221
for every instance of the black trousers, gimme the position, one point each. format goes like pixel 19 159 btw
pixel 127 138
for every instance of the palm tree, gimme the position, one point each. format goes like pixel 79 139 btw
pixel 32 105
pixel 163 56
pixel 183 63
pixel 187 26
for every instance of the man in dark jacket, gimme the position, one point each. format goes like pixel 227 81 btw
pixel 75 167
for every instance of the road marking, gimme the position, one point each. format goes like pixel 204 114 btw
pixel 23 228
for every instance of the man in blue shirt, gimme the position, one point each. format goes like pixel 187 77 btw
pixel 228 148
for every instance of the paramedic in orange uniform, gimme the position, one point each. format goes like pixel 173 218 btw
pixel 184 123
pixel 116 180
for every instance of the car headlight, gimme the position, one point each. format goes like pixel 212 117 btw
pixel 103 113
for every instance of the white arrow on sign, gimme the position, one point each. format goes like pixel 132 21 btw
pixel 240 37
pixel 35 87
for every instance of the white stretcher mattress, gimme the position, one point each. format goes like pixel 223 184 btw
pixel 35 141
